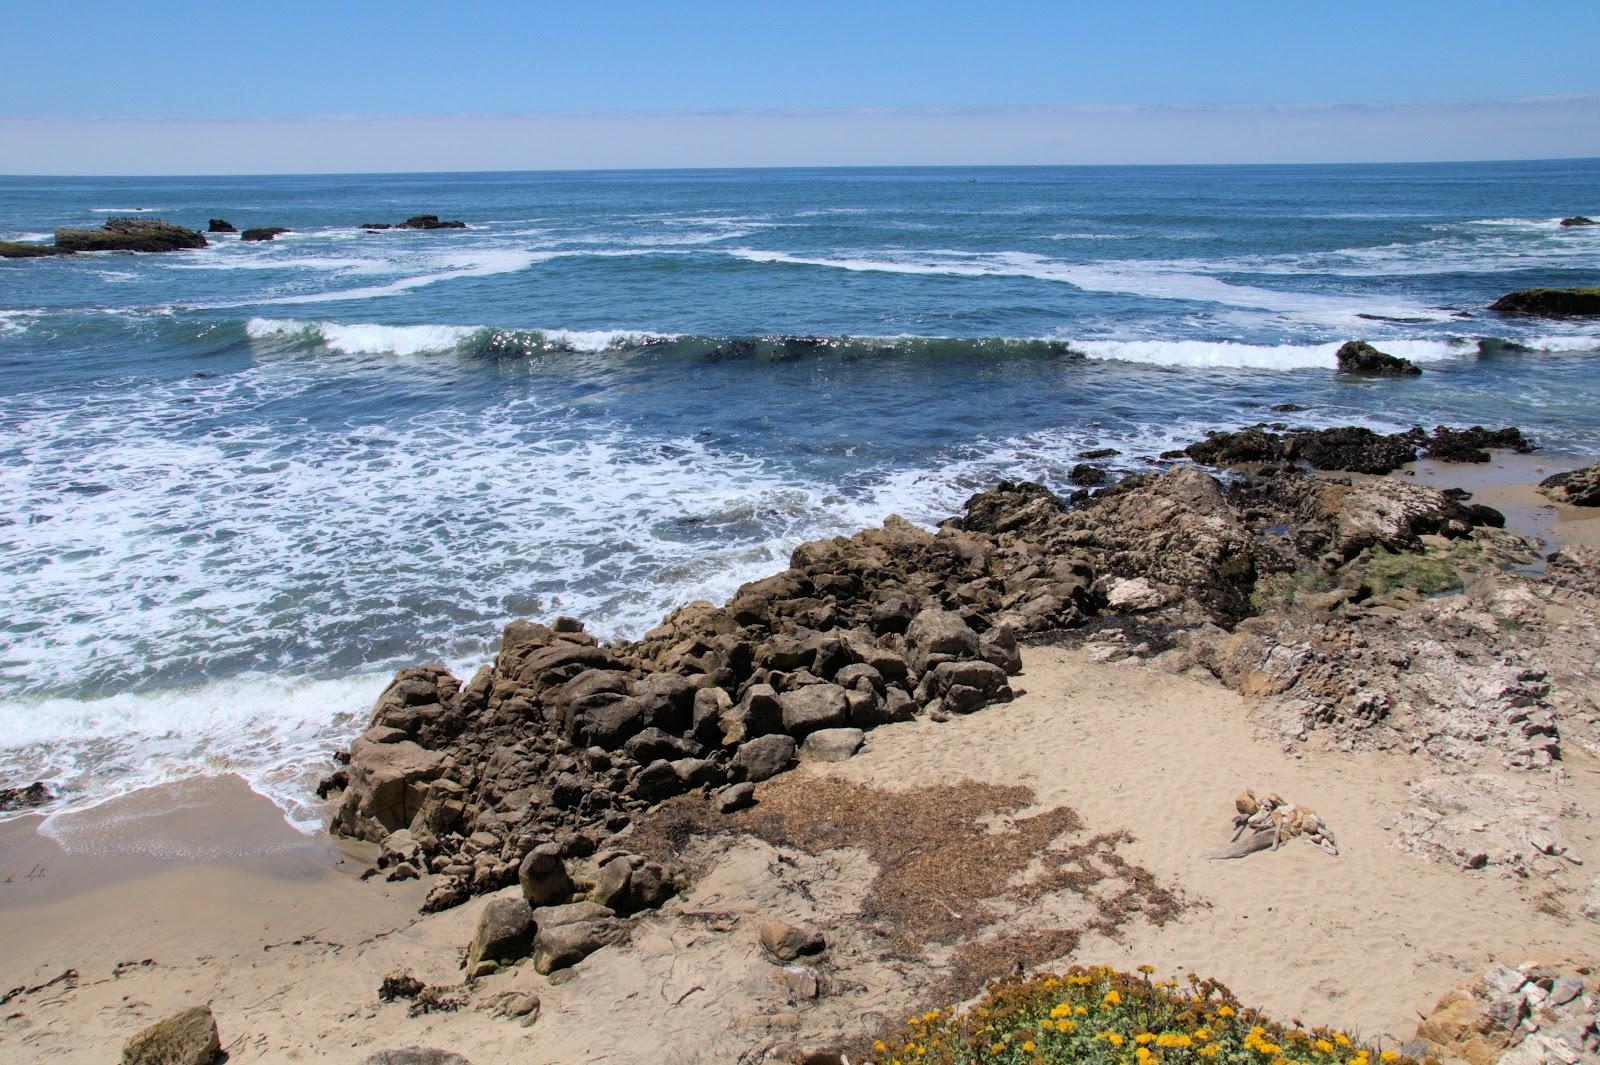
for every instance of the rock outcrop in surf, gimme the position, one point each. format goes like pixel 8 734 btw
pixel 1550 303
pixel 565 739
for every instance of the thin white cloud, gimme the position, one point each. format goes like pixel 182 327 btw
pixel 1510 128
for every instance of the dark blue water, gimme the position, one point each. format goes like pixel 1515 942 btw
pixel 240 484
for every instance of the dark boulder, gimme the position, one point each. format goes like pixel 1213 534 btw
pixel 220 225
pixel 429 221
pixel 1550 302
pixel 1578 488
pixel 35 794
pixel 1086 476
pixel 1359 357
pixel 130 234
pixel 263 233
pixel 1472 445
pixel 1351 449
pixel 1578 220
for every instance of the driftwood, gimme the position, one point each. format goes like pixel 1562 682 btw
pixel 1274 822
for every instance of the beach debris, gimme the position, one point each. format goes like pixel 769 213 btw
pixel 1359 357
pixel 400 984
pixel 437 998
pixel 187 1038
pixel 1267 822
pixel 415 1056
pixel 519 1006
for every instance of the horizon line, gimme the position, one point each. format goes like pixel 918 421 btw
pixel 809 166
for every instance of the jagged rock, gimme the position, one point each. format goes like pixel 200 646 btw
pixel 504 933
pixel 263 233
pixel 130 234
pixel 1359 357
pixel 785 942
pixel 832 744
pixel 220 225
pixel 388 783
pixel 187 1038
pixel 1578 220
pixel 764 757
pixel 1550 302
pixel 1578 488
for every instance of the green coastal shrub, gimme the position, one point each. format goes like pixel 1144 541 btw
pixel 1101 1016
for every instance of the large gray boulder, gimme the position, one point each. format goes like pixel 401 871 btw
pixel 815 706
pixel 764 757
pixel 505 933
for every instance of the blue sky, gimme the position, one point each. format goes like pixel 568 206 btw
pixel 156 72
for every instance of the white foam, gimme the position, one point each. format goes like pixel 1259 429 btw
pixel 1228 354
pixel 1132 277
pixel 271 730
pixel 359 339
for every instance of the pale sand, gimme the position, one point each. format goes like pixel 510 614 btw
pixel 1507 483
pixel 289 948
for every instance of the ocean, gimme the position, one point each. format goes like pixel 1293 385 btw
pixel 239 486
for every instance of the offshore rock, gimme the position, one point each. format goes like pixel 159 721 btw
pixel 1359 357
pixel 130 234
pixel 220 225
pixel 263 233
pixel 16 249
pixel 1550 302
pixel 1578 220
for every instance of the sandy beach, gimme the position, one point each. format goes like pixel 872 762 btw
pixel 200 892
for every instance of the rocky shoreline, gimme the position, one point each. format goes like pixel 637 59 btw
pixel 1324 593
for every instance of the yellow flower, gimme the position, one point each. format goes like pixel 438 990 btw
pixel 997 1048
pixel 1342 1039
pixel 878 1047
pixel 1111 1037
pixel 1209 1051
pixel 1171 1040
pixel 1202 1034
pixel 1225 1011
pixel 1062 1010
pixel 1323 1046
pixel 1082 1011
pixel 1112 998
pixel 1144 1038
pixel 1388 1055
pixel 1027 1046
pixel 1066 1026
pixel 1143 1054
pixel 1147 969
